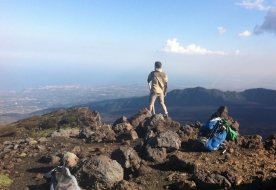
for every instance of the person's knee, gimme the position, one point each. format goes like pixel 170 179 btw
pixel 162 104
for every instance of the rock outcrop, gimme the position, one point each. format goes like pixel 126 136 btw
pixel 114 156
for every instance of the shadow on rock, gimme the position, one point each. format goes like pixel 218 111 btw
pixel 40 169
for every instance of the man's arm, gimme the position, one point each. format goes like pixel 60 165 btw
pixel 149 85
pixel 165 88
pixel 149 81
pixel 165 85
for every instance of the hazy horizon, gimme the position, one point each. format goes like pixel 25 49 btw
pixel 142 86
pixel 228 45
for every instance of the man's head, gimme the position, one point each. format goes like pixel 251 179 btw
pixel 158 64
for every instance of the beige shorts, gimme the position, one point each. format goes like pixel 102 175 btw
pixel 154 96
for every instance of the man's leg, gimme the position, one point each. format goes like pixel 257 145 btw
pixel 150 108
pixel 161 101
pixel 152 98
pixel 164 108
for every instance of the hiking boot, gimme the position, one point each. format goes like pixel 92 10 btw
pixel 166 115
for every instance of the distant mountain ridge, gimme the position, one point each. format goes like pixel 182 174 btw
pixel 191 96
pixel 261 95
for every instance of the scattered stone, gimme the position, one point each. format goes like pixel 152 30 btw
pixel 74 132
pixel 270 144
pixel 126 185
pixel 42 140
pixel 23 154
pixel 101 150
pixel 69 159
pixel 104 134
pixel 9 166
pixel 39 176
pixel 250 141
pixel 207 180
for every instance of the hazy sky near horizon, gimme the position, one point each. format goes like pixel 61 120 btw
pixel 214 44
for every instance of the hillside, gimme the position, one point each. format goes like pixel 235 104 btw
pixel 139 152
pixel 192 96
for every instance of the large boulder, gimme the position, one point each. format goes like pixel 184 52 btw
pixel 158 124
pixel 221 112
pixel 168 140
pixel 139 117
pixel 122 119
pixel 79 116
pixel 127 135
pixel 155 154
pixel 99 173
pixel 127 157
pixel 122 127
pixel 124 130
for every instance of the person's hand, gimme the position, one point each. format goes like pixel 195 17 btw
pixel 149 86
pixel 165 93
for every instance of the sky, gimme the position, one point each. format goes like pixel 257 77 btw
pixel 222 44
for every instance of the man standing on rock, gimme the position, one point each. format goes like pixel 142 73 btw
pixel 157 81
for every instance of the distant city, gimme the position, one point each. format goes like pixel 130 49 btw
pixel 31 100
pixel 34 99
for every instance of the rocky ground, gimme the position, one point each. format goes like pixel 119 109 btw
pixel 140 152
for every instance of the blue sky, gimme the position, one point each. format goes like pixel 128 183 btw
pixel 228 45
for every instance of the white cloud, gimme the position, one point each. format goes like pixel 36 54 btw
pixel 237 52
pixel 174 46
pixel 221 30
pixel 245 34
pixel 257 4
pixel 268 24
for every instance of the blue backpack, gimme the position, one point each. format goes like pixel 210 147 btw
pixel 215 132
pixel 211 136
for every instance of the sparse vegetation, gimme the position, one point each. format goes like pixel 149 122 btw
pixel 5 181
pixel 43 125
pixel 6 131
pixel 42 133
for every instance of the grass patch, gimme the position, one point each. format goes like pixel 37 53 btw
pixel 5 181
pixel 42 133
